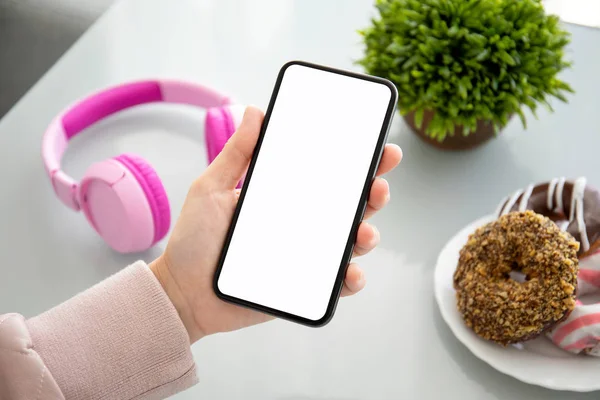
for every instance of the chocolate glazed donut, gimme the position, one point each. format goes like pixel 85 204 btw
pixel 573 205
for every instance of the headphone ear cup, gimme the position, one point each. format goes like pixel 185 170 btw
pixel 154 190
pixel 220 125
pixel 125 202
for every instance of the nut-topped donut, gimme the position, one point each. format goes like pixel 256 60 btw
pixel 573 205
pixel 504 310
pixel 580 332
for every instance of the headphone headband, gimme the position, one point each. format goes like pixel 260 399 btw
pixel 100 105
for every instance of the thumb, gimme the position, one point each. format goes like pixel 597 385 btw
pixel 229 167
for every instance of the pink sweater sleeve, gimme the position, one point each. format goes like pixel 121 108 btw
pixel 121 339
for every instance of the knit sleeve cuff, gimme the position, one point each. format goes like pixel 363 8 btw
pixel 121 339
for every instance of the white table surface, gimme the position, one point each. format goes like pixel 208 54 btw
pixel 389 342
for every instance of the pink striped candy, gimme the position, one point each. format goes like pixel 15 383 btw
pixel 580 333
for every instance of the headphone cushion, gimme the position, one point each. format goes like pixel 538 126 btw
pixel 154 190
pixel 219 126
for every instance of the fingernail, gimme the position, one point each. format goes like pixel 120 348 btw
pixel 362 280
pixel 387 189
pixel 245 116
pixel 376 236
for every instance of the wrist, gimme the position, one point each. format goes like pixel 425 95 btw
pixel 162 272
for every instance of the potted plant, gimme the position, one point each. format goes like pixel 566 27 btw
pixel 463 68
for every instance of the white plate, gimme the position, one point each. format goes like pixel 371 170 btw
pixel 537 362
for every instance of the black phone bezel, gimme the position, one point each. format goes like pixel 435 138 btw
pixel 346 257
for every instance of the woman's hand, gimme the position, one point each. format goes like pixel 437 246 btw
pixel 186 268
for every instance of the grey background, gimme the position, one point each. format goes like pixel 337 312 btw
pixel 33 35
pixel 389 342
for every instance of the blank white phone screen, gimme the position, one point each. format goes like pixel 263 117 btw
pixel 289 240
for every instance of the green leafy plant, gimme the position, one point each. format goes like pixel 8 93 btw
pixel 467 60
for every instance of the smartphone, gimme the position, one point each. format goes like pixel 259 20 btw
pixel 305 193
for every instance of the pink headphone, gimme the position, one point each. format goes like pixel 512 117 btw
pixel 122 197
